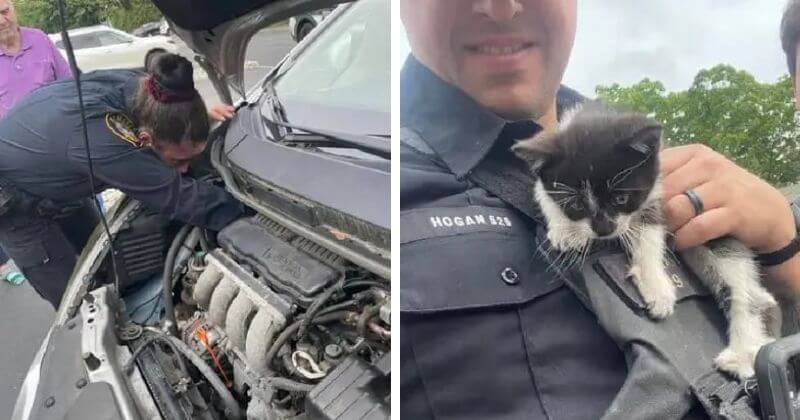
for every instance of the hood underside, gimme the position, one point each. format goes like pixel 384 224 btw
pixel 219 31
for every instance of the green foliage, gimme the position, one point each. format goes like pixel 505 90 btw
pixel 136 14
pixel 645 96
pixel 122 14
pixel 43 14
pixel 727 109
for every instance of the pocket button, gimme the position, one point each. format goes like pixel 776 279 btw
pixel 509 276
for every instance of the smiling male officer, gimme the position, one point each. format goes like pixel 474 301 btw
pixel 487 331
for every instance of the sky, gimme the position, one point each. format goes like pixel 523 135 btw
pixel 624 41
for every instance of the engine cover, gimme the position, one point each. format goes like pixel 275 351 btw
pixel 286 269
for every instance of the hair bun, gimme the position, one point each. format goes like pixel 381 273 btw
pixel 173 72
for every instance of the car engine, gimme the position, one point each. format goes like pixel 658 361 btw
pixel 292 330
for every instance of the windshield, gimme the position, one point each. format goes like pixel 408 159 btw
pixel 341 81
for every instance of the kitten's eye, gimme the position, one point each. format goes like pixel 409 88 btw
pixel 621 199
pixel 576 205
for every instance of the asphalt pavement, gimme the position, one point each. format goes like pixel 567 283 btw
pixel 26 318
pixel 265 50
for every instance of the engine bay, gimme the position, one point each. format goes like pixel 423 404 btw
pixel 257 322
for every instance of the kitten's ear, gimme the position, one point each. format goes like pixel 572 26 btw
pixel 537 150
pixel 644 136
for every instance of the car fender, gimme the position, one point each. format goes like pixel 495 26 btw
pixel 27 394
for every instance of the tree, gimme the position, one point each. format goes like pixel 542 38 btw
pixel 645 96
pixel 122 14
pixel 43 14
pixel 133 14
pixel 752 123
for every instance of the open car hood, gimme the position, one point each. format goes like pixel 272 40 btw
pixel 219 31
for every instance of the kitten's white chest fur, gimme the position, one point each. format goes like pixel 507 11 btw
pixel 730 267
pixel 601 167
pixel 645 242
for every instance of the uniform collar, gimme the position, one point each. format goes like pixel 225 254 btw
pixel 455 126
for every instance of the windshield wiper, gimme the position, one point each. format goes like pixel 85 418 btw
pixel 373 145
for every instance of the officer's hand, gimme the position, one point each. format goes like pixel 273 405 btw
pixel 221 112
pixel 736 202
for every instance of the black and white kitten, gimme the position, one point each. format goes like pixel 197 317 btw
pixel 598 179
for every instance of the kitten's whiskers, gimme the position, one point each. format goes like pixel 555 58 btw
pixel 564 187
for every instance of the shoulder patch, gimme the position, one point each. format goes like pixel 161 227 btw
pixel 122 127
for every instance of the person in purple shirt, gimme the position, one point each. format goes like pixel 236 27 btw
pixel 28 59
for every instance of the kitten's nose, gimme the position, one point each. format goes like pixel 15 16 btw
pixel 603 227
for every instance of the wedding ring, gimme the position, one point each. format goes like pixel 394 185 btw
pixel 697 203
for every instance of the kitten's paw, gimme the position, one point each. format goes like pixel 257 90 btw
pixel 661 306
pixel 738 363
pixel 559 242
pixel 658 292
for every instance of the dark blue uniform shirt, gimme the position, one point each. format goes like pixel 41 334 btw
pixel 487 331
pixel 42 152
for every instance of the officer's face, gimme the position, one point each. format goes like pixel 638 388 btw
pixel 509 55
pixel 179 155
pixel 8 19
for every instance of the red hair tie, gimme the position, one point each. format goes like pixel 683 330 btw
pixel 162 94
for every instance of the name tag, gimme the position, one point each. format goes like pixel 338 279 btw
pixel 418 224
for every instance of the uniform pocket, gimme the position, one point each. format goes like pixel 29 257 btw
pixel 613 269
pixel 461 303
pixel 477 270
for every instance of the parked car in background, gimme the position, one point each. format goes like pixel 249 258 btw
pixel 148 29
pixel 302 25
pixel 159 27
pixel 102 47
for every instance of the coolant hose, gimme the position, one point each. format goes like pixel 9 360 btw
pixel 369 313
pixel 204 245
pixel 291 329
pixel 152 339
pixel 288 384
pixel 232 409
pixel 316 306
pixel 166 279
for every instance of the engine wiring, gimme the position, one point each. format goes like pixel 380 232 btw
pixel 168 279
pixel 317 305
pixel 77 76
pixel 292 329
pixel 232 409
pixel 151 340
pixel 202 335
